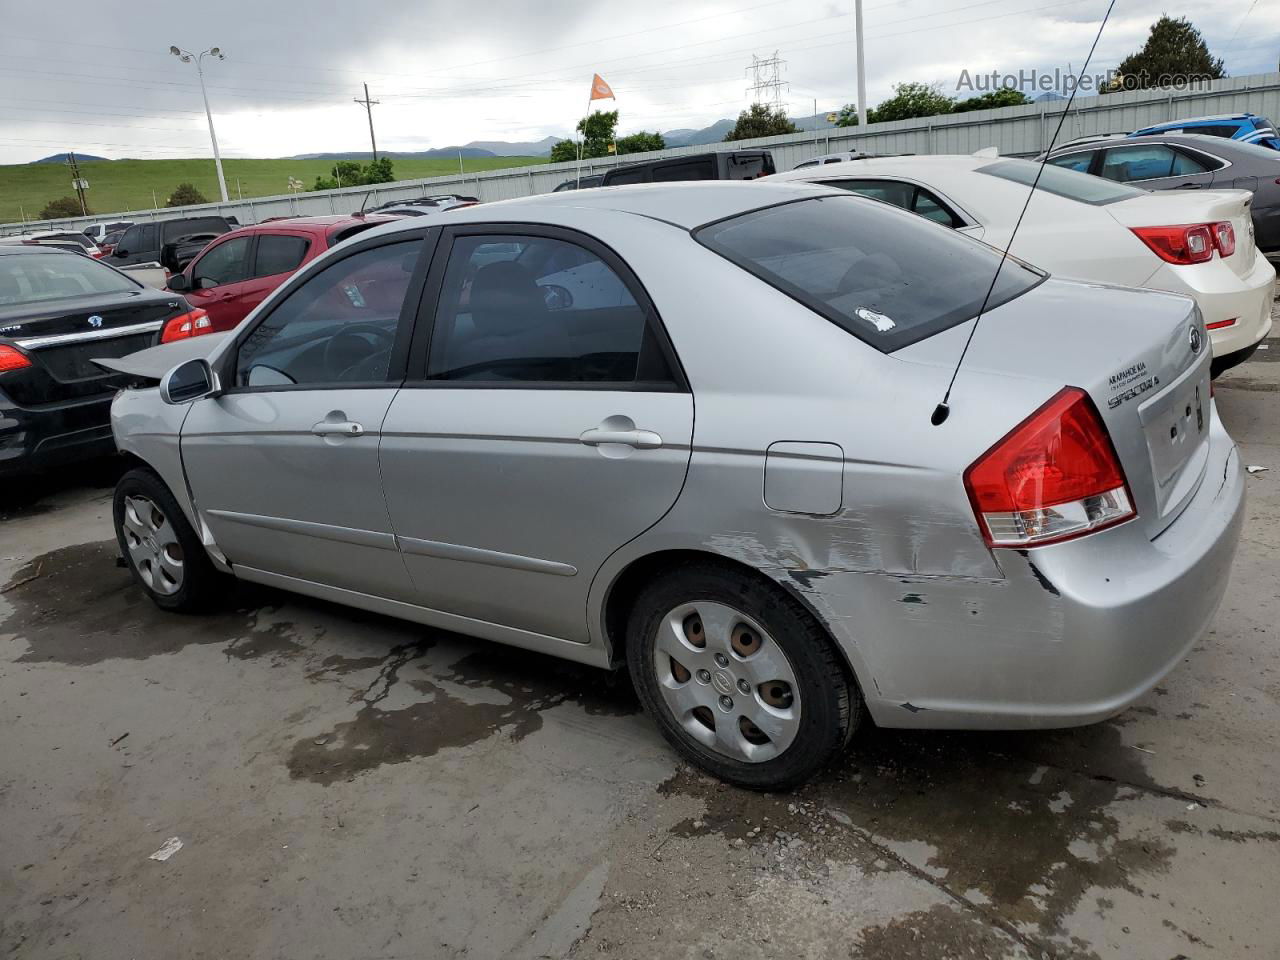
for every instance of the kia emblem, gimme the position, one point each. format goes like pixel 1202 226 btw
pixel 1195 339
pixel 95 321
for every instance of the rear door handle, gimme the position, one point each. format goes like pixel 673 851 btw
pixel 640 439
pixel 337 428
pixel 1191 186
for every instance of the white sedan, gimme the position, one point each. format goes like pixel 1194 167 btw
pixel 1198 243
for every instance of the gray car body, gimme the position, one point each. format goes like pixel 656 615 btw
pixel 798 450
pixel 1240 166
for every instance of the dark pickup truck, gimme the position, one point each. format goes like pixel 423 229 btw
pixel 730 165
pixel 146 242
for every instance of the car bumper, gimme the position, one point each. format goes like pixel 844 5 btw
pixel 1073 633
pixel 1223 296
pixel 35 438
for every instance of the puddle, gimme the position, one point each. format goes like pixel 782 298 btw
pixel 529 683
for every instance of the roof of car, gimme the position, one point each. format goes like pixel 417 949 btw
pixel 685 204
pixel 1201 140
pixel 902 164
pixel 10 248
pixel 1216 116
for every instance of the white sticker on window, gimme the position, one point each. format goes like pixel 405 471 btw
pixel 353 294
pixel 878 320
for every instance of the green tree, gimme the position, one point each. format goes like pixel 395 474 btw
pixel 378 172
pixel 185 196
pixel 1004 97
pixel 62 207
pixel 641 142
pixel 912 100
pixel 759 120
pixel 566 151
pixel 348 173
pixel 1174 49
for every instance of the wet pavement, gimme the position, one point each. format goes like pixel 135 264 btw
pixel 346 785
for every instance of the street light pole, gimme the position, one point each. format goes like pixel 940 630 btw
pixel 187 57
pixel 862 68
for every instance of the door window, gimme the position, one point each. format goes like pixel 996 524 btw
pixel 908 196
pixel 278 254
pixel 538 309
pixel 1147 162
pixel 703 169
pixel 338 327
pixel 1075 161
pixel 228 262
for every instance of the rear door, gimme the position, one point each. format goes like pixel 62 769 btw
pixel 140 244
pixel 543 426
pixel 283 464
pixel 219 278
pixel 276 256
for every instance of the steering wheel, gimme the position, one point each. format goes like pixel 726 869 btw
pixel 354 345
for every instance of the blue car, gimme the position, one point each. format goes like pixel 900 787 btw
pixel 1248 127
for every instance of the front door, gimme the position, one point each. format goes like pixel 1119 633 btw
pixel 283 465
pixel 547 427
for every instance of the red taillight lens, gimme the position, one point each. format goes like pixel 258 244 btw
pixel 1224 238
pixel 1056 475
pixel 1188 243
pixel 191 324
pixel 1221 324
pixel 11 358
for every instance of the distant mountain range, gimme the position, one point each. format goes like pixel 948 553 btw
pixel 80 158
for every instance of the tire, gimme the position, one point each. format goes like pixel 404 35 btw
pixel 756 744
pixel 160 547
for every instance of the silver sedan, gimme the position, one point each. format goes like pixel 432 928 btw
pixel 687 428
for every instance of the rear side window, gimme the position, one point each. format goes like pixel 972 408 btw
pixel 1079 162
pixel 690 170
pixel 908 196
pixel 748 167
pixel 618 177
pixel 877 272
pixel 1062 183
pixel 1147 162
pixel 278 254
pixel 516 310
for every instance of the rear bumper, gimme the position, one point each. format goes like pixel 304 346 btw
pixel 36 438
pixel 1223 296
pixel 1075 632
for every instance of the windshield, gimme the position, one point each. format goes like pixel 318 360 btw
pixel 885 275
pixel 1062 182
pixel 30 278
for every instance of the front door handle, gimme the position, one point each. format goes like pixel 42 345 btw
pixel 1191 186
pixel 640 439
pixel 337 428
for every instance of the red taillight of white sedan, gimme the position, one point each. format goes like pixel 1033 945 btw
pixel 1054 476
pixel 191 324
pixel 1189 243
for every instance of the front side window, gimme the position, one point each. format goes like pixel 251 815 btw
pixel 228 262
pixel 877 272
pixel 1080 162
pixel 30 278
pixel 278 254
pixel 524 309
pixel 338 327
pixel 1146 162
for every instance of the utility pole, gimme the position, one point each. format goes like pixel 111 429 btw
pixel 862 64
pixel 186 56
pixel 368 108
pixel 77 182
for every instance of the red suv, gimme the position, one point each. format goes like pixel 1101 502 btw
pixel 234 273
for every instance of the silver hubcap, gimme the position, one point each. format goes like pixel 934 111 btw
pixel 726 682
pixel 153 545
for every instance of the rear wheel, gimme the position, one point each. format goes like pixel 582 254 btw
pixel 159 545
pixel 739 677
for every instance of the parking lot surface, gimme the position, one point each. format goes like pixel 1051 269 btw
pixel 349 786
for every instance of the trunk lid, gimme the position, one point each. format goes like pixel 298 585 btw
pixel 1131 351
pixel 1167 208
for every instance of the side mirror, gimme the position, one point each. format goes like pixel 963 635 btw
pixel 178 283
pixel 120 252
pixel 188 381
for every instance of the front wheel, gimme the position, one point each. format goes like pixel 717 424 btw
pixel 159 545
pixel 739 677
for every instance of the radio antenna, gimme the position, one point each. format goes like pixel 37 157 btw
pixel 943 409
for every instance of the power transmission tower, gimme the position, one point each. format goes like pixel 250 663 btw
pixel 368 106
pixel 767 86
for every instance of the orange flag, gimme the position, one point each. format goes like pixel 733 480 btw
pixel 599 89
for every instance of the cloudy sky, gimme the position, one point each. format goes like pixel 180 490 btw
pixel 97 77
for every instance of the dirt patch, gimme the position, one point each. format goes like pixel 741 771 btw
pixel 940 933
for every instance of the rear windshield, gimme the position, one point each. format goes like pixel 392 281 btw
pixel 885 275
pixel 30 278
pixel 1062 182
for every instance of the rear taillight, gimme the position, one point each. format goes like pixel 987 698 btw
pixel 1056 475
pixel 1188 243
pixel 191 324
pixel 11 358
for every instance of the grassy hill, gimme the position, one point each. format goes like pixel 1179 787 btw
pixel 128 184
